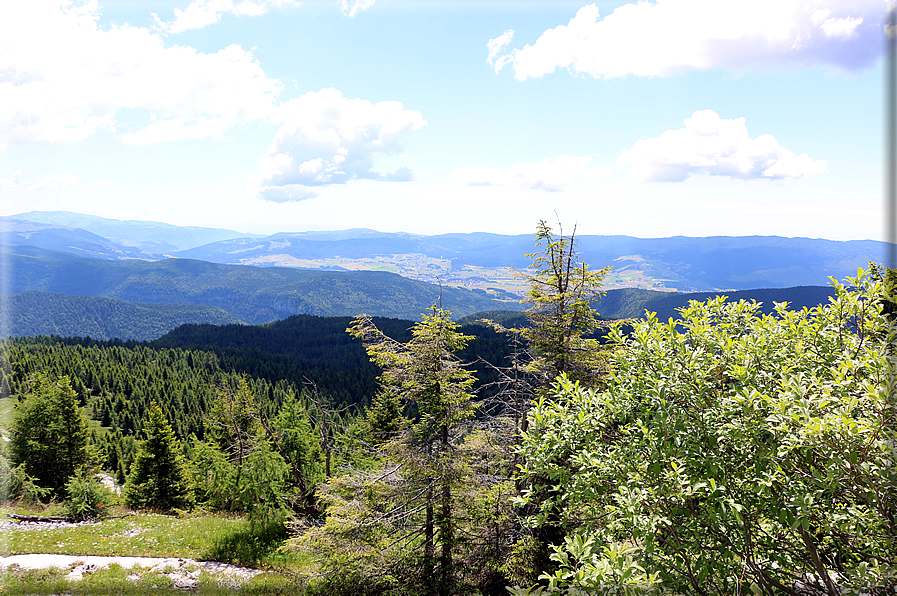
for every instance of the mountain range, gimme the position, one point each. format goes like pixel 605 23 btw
pixel 475 260
pixel 67 280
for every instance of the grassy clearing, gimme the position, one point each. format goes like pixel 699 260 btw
pixel 7 406
pixel 114 580
pixel 203 536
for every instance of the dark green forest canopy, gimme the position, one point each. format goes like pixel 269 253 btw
pixel 117 381
pixel 46 313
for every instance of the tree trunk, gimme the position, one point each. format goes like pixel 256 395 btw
pixel 446 531
pixel 429 550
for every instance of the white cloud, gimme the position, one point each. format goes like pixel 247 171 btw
pixel 542 175
pixel 668 37
pixel 495 46
pixel 55 182
pixel 351 8
pixel 63 78
pixel 12 181
pixel 711 146
pixel 327 139
pixel 201 13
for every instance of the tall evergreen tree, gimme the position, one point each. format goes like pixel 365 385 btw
pixel 49 433
pixel 425 373
pixel 556 343
pixel 159 478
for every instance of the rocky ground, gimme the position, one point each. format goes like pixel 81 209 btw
pixel 183 572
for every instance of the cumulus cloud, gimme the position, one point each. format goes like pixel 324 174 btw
pixel 12 181
pixel 542 175
pixel 327 139
pixel 201 13
pixel 668 37
pixel 55 182
pixel 350 8
pixel 63 78
pixel 711 146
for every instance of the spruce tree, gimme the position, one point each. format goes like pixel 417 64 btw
pixel 425 373
pixel 49 433
pixel 159 478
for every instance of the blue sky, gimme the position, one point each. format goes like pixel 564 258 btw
pixel 651 119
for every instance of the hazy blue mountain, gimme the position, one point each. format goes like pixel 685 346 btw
pixel 45 313
pixel 148 236
pixel 251 294
pixel 478 249
pixel 684 263
pixel 17 233
pixel 679 262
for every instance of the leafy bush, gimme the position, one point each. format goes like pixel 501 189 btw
pixel 729 453
pixel 87 498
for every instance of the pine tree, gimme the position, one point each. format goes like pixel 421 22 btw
pixel 49 433
pixel 159 478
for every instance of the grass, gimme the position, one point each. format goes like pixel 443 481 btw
pixel 200 536
pixel 114 580
pixel 7 406
pixel 205 537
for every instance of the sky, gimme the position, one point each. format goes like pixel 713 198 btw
pixel 650 118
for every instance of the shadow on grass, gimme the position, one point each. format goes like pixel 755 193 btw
pixel 255 545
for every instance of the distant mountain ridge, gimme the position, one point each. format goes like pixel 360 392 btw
pixel 15 233
pixel 474 260
pixel 250 294
pixel 152 237
pixel 680 263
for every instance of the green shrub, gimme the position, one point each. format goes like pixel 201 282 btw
pixel 729 452
pixel 88 499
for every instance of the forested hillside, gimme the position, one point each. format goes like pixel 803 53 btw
pixel 46 313
pixel 630 303
pixel 250 294
pixel 620 304
pixel 117 380
pixel 184 371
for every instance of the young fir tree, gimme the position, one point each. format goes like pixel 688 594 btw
pixel 159 477
pixel 416 530
pixel 562 289
pixel 49 433
pixel 255 464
